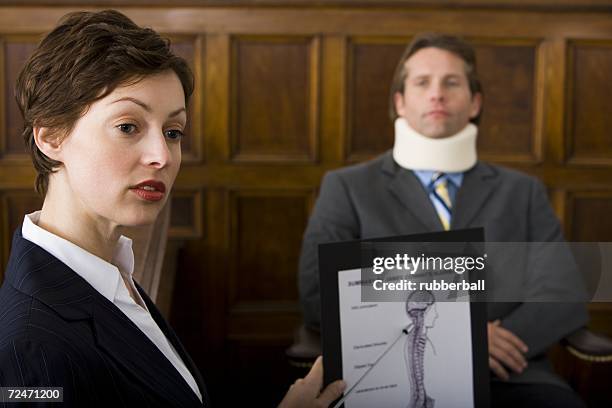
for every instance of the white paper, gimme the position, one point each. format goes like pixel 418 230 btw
pixel 368 329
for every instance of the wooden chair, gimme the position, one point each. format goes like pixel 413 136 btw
pixel 155 259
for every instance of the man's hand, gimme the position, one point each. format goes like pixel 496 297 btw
pixel 505 350
pixel 306 392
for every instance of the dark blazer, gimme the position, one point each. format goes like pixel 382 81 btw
pixel 57 330
pixel 380 199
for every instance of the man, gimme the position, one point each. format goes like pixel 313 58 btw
pixel 431 180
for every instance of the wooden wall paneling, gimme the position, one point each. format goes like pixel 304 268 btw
pixel 266 233
pixel 589 215
pixel 371 62
pixel 314 102
pixel 215 271
pixel 216 285
pixel 509 130
pixel 589 221
pixel 333 99
pixel 523 5
pixel 558 202
pixel 217 98
pixel 186 214
pixel 203 282
pixel 589 140
pixel 15 204
pixel 192 48
pixel 16 49
pixel 553 63
pixel 17 173
pixel 275 83
pixel 267 228
pixel 198 309
pixel 362 21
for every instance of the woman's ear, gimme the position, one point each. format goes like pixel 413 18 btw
pixel 48 141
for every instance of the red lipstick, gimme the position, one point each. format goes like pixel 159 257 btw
pixel 150 190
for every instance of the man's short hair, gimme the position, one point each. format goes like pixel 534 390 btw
pixel 83 59
pixel 446 42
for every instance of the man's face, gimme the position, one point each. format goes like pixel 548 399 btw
pixel 437 101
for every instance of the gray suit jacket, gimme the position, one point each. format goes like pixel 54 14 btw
pixel 380 199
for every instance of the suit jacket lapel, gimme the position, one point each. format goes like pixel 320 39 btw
pixel 37 273
pixel 118 336
pixel 178 346
pixel 477 186
pixel 407 188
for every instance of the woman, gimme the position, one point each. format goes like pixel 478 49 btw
pixel 104 106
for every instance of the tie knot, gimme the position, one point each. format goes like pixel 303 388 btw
pixel 439 180
pixel 437 176
pixel 442 189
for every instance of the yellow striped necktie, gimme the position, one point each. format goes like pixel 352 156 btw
pixel 440 193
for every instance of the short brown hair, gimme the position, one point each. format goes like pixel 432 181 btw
pixel 80 61
pixel 446 42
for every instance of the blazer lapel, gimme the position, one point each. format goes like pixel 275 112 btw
pixel 63 290
pixel 118 336
pixel 178 346
pixel 477 186
pixel 407 188
pixel 37 273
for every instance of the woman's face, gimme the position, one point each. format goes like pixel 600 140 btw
pixel 122 157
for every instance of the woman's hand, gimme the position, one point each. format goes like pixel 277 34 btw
pixel 306 392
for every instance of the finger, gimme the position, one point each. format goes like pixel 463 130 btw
pixel 510 348
pixel 498 336
pixel 331 393
pixel 512 338
pixel 498 369
pixel 508 354
pixel 507 360
pixel 315 375
pixel 504 350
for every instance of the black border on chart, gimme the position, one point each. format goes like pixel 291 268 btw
pixel 341 256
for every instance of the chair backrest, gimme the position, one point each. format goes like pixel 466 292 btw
pixel 149 244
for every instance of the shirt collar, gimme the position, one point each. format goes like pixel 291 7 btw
pixel 425 177
pixel 104 277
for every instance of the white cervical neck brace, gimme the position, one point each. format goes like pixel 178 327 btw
pixel 456 153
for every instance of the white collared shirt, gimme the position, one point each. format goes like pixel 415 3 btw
pixel 107 279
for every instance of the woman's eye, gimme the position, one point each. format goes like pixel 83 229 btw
pixel 127 128
pixel 174 134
